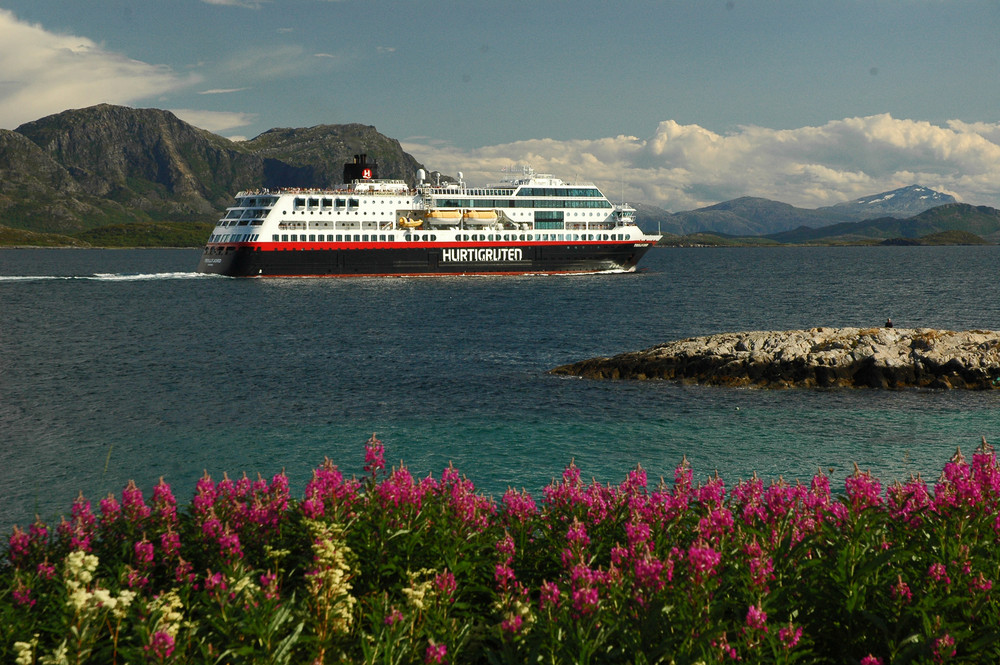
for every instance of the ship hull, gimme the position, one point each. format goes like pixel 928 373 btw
pixel 263 260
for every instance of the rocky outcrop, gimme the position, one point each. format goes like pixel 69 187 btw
pixel 892 358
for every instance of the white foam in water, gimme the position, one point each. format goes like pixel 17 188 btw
pixel 108 277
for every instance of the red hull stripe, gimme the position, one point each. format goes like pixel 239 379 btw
pixel 291 246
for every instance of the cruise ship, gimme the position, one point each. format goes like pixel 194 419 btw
pixel 527 224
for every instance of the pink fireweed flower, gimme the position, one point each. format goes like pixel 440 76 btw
pixel 944 648
pixel 135 579
pixel 789 636
pixel 871 660
pixel 143 552
pixel 205 495
pixel 512 623
pixel 46 570
pixel 111 510
pixel 637 533
pixel 863 491
pixel 18 545
pixel 569 492
pixel 938 573
pixel 748 500
pixel 445 584
pixel 726 650
pixel 980 583
pixel 649 573
pixel 38 535
pixel 908 502
pixel 394 617
pixel 505 545
pixel 518 506
pixel 585 600
pixel 80 529
pixel 703 561
pixel 400 491
pixel 374 456
pixel 577 535
pixel 901 590
pixel 635 481
pixel 215 584
pixel 548 595
pixel 756 618
pixel 22 594
pixel 229 547
pixel 184 572
pixel 170 543
pixel 504 575
pixel 327 491
pixel 269 585
pixel 161 645
pixel 712 493
pixel 133 505
pixel 716 524
pixel 435 654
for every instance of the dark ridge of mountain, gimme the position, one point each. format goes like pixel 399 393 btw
pixel 903 202
pixel 942 238
pixel 981 221
pixel 107 164
pixel 315 156
pixel 748 216
pixel 752 216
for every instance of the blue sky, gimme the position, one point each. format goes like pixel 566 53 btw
pixel 678 104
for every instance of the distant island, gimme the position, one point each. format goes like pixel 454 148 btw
pixel 114 176
pixel 888 358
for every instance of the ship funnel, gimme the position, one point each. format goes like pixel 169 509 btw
pixel 360 169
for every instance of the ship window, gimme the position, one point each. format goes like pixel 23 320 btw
pixel 364 238
pixel 340 237
pixel 284 237
pixel 357 238
pixel 300 203
pixel 312 237
pixel 274 238
pixel 353 203
pixel 327 203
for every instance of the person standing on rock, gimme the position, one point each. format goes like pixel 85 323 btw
pixel 888 322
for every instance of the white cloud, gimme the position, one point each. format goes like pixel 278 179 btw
pixel 221 91
pixel 42 73
pixel 682 167
pixel 214 121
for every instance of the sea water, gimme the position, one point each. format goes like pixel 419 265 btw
pixel 125 364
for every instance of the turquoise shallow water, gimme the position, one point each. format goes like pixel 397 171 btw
pixel 124 364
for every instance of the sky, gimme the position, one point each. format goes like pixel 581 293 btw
pixel 676 104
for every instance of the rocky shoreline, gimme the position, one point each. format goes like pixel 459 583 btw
pixel 888 358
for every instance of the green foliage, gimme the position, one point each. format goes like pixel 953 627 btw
pixel 148 234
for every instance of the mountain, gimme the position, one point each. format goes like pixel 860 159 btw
pixel 981 221
pixel 106 164
pixel 903 202
pixel 752 216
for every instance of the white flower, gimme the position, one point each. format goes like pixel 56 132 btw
pixel 25 651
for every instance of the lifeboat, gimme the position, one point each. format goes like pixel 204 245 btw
pixel 480 217
pixel 407 223
pixel 444 217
